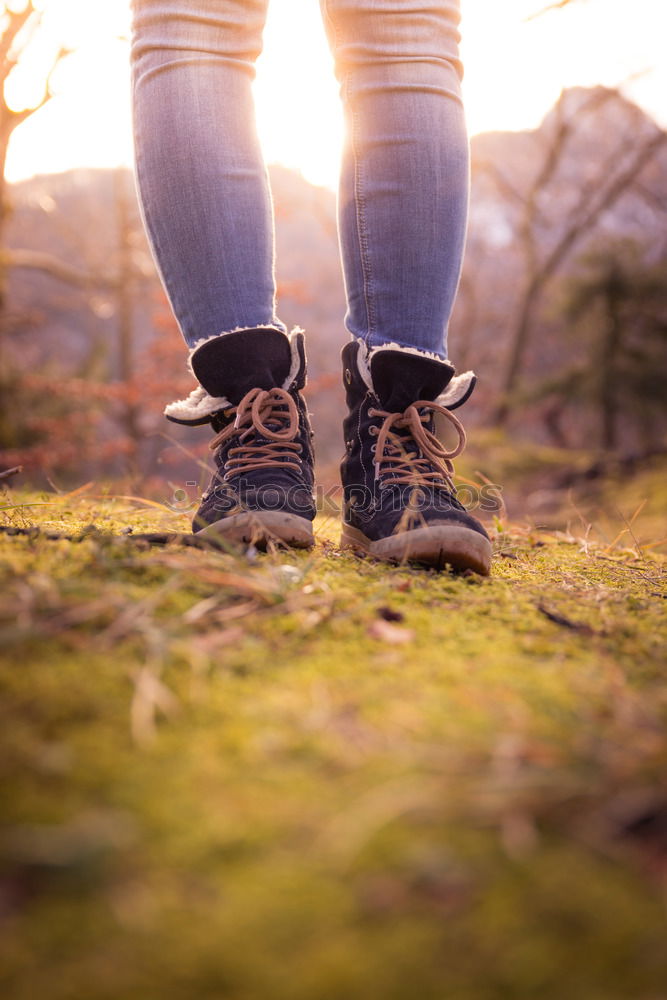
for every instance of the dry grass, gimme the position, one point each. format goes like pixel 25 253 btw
pixel 305 775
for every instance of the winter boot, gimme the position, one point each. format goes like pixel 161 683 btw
pixel 250 384
pixel 399 499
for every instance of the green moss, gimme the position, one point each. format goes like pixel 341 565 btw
pixel 220 779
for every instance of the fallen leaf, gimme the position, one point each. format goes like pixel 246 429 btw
pixel 393 634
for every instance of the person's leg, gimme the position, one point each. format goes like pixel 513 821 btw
pixel 403 196
pixel 206 206
pixel 403 202
pixel 201 178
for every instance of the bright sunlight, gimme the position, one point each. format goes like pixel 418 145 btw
pixel 515 69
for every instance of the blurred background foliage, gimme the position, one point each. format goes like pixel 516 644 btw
pixel 562 309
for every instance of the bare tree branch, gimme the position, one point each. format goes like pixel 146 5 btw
pixel 580 223
pixel 15 24
pixel 36 260
pixel 502 183
pixel 652 198
pixel 15 118
pixel 8 473
pixel 539 271
pixel 587 219
pixel 552 6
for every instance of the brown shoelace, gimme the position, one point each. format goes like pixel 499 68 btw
pixel 431 462
pixel 257 409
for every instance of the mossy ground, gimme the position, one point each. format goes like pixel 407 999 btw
pixel 304 776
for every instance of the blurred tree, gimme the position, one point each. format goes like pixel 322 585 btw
pixel 19 24
pixel 546 249
pixel 616 307
pixel 40 413
pixel 125 295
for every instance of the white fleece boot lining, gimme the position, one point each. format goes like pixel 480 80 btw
pixel 456 390
pixel 195 407
pixel 199 404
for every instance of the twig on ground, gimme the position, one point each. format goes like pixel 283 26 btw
pixel 8 473
pixel 559 619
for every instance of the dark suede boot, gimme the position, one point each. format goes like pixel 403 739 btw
pixel 399 499
pixel 249 390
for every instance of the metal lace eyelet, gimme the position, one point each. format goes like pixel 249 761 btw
pixel 373 430
pixel 373 447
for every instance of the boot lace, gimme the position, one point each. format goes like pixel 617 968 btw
pixel 267 413
pixel 431 462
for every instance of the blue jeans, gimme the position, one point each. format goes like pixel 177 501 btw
pixel 203 185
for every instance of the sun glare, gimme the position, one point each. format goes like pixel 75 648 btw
pixel 515 69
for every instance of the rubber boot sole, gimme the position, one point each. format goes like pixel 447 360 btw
pixel 437 545
pixel 259 528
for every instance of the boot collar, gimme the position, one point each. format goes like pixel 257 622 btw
pixel 454 389
pixel 199 406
